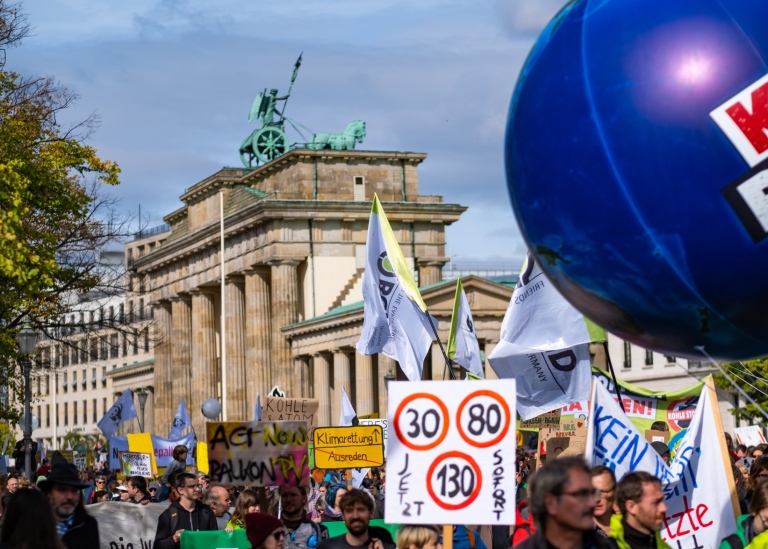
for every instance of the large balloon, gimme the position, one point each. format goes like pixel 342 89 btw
pixel 637 163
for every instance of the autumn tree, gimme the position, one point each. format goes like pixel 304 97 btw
pixel 54 215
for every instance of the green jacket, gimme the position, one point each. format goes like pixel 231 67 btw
pixel 741 531
pixel 617 534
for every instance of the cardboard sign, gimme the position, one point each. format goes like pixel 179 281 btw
pixel 657 436
pixel 80 460
pixel 349 447
pixel 750 436
pixel 136 465
pixel 556 446
pixel 550 419
pixel 258 453
pixel 452 453
pixel 291 409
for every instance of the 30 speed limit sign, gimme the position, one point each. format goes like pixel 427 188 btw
pixel 451 452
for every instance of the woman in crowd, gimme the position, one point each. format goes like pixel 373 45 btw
pixel 418 537
pixel 264 531
pixel 333 495
pixel 247 502
pixel 758 474
pixel 177 465
pixel 748 526
pixel 28 523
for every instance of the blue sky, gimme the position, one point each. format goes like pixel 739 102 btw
pixel 172 82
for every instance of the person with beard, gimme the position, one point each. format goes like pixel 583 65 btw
pixel 562 502
pixel 301 532
pixel 357 511
pixel 76 528
pixel 604 481
pixel 641 504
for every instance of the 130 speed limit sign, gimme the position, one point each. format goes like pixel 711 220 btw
pixel 451 452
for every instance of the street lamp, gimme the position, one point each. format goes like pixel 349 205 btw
pixel 142 394
pixel 27 339
pixel 390 376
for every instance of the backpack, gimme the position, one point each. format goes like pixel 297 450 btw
pixel 734 541
pixel 525 528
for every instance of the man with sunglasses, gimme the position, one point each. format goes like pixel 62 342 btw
pixel 562 502
pixel 187 513
pixel 641 503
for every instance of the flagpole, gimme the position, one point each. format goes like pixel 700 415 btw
pixel 613 374
pixel 223 317
pixel 448 361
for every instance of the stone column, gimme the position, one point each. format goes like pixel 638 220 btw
pixel 386 366
pixel 301 374
pixel 439 370
pixel 430 271
pixel 181 352
pixel 285 311
pixel 258 333
pixel 234 338
pixel 321 366
pixel 490 345
pixel 163 401
pixel 365 403
pixel 341 378
pixel 204 363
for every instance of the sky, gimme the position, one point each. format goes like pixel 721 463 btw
pixel 172 83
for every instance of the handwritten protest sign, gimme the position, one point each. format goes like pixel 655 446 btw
pixel 375 421
pixel 263 453
pixel 80 460
pixel 349 447
pixel 452 453
pixel 750 436
pixel 125 526
pixel 549 419
pixel 700 513
pixel 136 465
pixel 292 409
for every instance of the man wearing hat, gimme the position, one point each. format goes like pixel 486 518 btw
pixel 77 529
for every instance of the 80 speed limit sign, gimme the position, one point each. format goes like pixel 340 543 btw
pixel 451 452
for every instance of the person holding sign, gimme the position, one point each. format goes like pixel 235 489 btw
pixel 357 510
pixel 562 504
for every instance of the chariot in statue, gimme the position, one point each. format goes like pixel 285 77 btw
pixel 270 140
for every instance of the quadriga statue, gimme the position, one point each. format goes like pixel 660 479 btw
pixel 354 133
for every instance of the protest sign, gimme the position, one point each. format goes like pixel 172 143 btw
pixel 116 445
pixel 136 465
pixel 750 436
pixel 164 449
pixel 375 421
pixel 292 409
pixel 263 453
pixel 80 460
pixel 657 436
pixel 452 454
pixel 349 447
pixel 700 513
pixel 549 419
pixel 142 443
pixel 124 526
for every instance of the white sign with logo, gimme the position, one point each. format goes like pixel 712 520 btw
pixel 136 465
pixel 750 436
pixel 452 452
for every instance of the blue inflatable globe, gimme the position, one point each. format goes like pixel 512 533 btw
pixel 637 163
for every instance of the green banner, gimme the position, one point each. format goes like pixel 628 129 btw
pixel 214 539
pixel 339 528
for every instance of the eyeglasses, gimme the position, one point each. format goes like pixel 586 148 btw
pixel 584 494
pixel 607 493
pixel 278 535
pixel 192 486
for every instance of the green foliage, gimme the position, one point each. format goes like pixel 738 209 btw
pixel 752 377
pixel 50 223
pixel 7 431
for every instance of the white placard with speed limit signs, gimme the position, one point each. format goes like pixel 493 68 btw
pixel 451 452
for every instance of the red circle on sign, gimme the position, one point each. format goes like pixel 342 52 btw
pixel 472 497
pixel 503 432
pixel 446 420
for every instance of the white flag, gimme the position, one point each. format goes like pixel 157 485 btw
pixel 122 410
pixel 348 414
pixel 257 409
pixel 544 345
pixel 395 316
pixel 181 421
pixel 463 347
